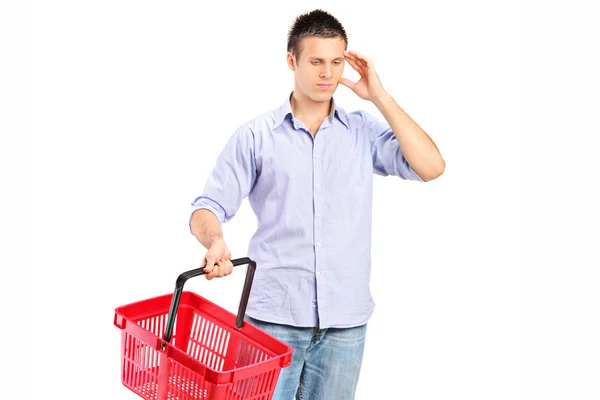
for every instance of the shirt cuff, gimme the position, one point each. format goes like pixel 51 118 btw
pixel 204 203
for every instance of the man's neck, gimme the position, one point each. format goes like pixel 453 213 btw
pixel 303 107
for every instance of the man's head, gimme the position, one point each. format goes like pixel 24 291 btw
pixel 316 42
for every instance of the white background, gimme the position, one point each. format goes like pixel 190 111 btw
pixel 485 279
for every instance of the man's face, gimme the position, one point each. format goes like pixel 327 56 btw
pixel 321 63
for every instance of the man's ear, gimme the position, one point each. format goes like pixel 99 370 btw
pixel 291 61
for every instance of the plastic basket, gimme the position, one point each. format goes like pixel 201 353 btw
pixel 182 346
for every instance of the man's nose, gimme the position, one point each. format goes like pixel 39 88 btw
pixel 326 72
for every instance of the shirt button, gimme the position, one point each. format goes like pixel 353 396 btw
pixel 318 214
pixel 317 156
pixel 318 186
pixel 318 244
pixel 319 273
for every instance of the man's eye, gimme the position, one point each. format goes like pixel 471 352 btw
pixel 315 62
pixel 336 63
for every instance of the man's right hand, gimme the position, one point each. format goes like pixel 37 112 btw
pixel 217 261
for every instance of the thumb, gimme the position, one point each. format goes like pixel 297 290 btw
pixel 347 82
pixel 209 263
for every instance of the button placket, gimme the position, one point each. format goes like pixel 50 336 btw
pixel 318 223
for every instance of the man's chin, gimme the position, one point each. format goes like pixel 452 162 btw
pixel 322 97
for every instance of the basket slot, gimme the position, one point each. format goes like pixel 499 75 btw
pixel 184 384
pixel 254 388
pixel 156 325
pixel 208 343
pixel 214 344
pixel 248 354
pixel 193 348
pixel 127 358
pixel 141 371
pixel 207 336
pixel 269 380
pixel 140 366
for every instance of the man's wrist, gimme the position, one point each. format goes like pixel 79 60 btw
pixel 215 239
pixel 208 240
pixel 382 99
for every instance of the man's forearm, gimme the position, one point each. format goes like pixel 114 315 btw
pixel 420 151
pixel 206 227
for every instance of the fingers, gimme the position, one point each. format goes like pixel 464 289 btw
pixel 347 82
pixel 359 62
pixel 353 63
pixel 208 263
pixel 217 262
pixel 225 268
pixel 210 267
pixel 350 57
pixel 214 274
pixel 218 269
pixel 359 58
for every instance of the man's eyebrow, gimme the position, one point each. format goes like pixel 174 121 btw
pixel 320 59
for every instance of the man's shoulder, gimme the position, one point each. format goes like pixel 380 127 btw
pixel 261 123
pixel 364 123
pixel 357 116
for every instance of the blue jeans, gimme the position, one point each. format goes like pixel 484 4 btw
pixel 325 364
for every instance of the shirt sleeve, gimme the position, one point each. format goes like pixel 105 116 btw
pixel 385 150
pixel 231 179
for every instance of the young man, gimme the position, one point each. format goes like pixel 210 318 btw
pixel 307 168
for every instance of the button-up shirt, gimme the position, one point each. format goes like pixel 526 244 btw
pixel 312 196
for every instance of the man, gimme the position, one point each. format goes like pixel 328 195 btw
pixel 307 168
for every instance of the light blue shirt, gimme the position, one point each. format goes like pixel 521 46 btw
pixel 313 200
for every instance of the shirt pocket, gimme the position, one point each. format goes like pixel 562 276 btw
pixel 354 176
pixel 345 170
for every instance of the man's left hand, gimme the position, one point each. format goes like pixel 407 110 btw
pixel 368 86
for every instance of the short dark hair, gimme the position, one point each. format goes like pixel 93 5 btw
pixel 314 23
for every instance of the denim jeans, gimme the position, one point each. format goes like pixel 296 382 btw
pixel 325 364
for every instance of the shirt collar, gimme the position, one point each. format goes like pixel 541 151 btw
pixel 286 108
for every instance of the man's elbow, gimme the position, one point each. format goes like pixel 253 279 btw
pixel 435 172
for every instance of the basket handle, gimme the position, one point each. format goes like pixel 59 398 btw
pixel 200 271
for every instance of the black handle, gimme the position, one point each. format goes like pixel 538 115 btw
pixel 200 271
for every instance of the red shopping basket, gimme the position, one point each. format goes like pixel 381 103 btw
pixel 182 346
